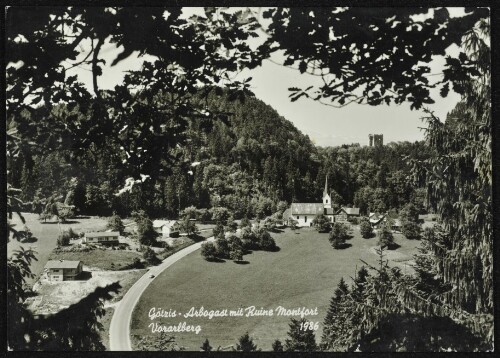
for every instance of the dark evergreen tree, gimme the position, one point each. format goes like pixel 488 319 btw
pixel 301 340
pixel 245 344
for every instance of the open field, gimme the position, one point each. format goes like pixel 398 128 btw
pixel 103 259
pixel 304 273
pixel 46 234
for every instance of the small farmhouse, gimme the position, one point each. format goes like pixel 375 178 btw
pixel 167 228
pixel 376 219
pixel 396 225
pixel 63 270
pixel 105 237
pixel 345 214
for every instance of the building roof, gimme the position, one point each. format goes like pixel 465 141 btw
pixel 376 218
pixel 427 216
pixel 62 264
pixel 102 234
pixel 307 208
pixel 351 211
pixel 161 223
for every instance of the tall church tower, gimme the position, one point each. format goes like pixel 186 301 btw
pixel 327 200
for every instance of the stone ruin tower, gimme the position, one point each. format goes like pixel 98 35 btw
pixel 376 140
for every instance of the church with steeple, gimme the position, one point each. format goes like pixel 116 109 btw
pixel 304 213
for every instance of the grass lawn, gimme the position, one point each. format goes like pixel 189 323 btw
pixel 104 259
pixel 304 273
pixel 45 236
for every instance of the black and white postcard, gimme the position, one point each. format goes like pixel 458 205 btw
pixel 249 179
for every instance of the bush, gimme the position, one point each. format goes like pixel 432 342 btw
pixel 145 231
pixel 204 216
pixel 321 223
pixel 188 226
pixel 150 256
pixel 338 235
pixel 136 264
pixel 266 242
pixel 277 346
pixel 63 239
pixel 236 254
pixel 385 237
pixel 411 230
pixel 220 214
pixel 72 234
pixel 231 226
pixel 218 231
pixel 366 229
pixel 293 224
pixel 245 223
pixel 209 251
pixel 115 223
pixel 245 344
pixel 249 239
pixel 223 249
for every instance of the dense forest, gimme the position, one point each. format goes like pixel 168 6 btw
pixel 248 161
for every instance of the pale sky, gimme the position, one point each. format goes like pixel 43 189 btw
pixel 326 126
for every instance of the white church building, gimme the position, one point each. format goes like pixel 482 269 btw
pixel 304 213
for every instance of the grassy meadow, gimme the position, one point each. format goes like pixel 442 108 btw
pixel 304 272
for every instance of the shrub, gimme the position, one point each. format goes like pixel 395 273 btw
pixel 188 226
pixel 366 229
pixel 218 231
pixel 72 234
pixel 411 230
pixel 231 226
pixel 245 222
pixel 321 223
pixel 220 214
pixel 204 216
pixel 63 239
pixel 236 254
pixel 277 346
pixel 266 242
pixel 245 344
pixel 145 231
pixel 136 264
pixel 223 249
pixel 115 223
pixel 338 235
pixel 206 347
pixel 249 239
pixel 150 256
pixel 385 237
pixel 209 251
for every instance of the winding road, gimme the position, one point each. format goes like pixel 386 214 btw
pixel 119 330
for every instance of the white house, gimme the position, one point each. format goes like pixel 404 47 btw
pixel 167 228
pixel 104 237
pixel 63 270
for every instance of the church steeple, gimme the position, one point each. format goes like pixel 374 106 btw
pixel 325 191
pixel 327 200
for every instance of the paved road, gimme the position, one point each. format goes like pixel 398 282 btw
pixel 119 330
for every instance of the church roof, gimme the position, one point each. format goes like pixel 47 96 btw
pixel 307 208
